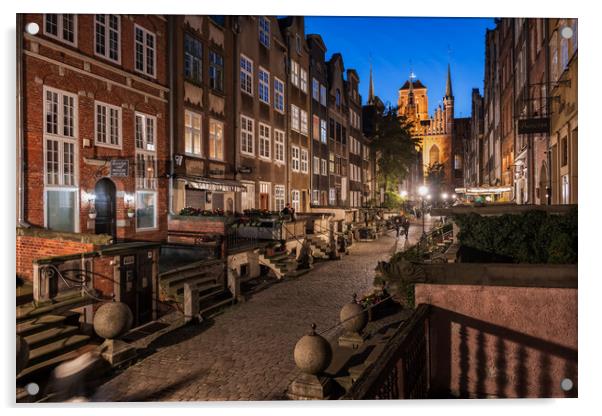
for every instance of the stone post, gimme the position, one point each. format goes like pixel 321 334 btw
pixel 312 356
pixel 191 303
pixel 353 319
pixel 112 320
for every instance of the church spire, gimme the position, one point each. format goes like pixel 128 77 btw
pixel 371 88
pixel 448 85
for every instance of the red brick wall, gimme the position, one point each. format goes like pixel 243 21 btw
pixel 40 72
pixel 31 248
pixel 196 225
pixel 501 341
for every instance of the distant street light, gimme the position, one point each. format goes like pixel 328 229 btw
pixel 444 196
pixel 423 191
pixel 404 194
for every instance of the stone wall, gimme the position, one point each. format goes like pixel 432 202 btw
pixel 494 340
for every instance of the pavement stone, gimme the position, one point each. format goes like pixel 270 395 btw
pixel 246 353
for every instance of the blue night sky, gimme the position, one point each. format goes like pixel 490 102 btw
pixel 397 43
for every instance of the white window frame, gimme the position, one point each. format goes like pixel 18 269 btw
pixel 303 80
pixel 279 95
pixel 324 167
pixel 264 30
pixel 316 165
pixel 60 29
pixel 279 147
pixel 265 141
pixel 263 85
pixel 332 196
pixel 248 74
pixel 149 146
pixel 193 130
pixel 294 73
pixel 107 42
pixel 323 95
pixel 146 181
pixel 323 131
pixel 216 142
pixel 295 117
pixel 62 140
pixel 315 89
pixel 145 50
pixel 108 125
pixel 155 209
pixel 247 198
pixel 304 161
pixel 295 158
pixel 296 200
pixel 249 135
pixel 304 127
pixel 279 197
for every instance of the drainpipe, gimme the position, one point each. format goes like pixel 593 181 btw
pixel 548 112
pixel 235 24
pixel 20 128
pixel 170 41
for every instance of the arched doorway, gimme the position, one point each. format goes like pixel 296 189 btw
pixel 105 204
pixel 543 185
pixel 434 154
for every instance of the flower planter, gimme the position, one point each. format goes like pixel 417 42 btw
pixel 92 216
pixel 131 214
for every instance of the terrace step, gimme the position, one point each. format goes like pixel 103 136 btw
pixel 31 372
pixel 44 322
pixel 56 348
pixel 50 335
pixel 27 312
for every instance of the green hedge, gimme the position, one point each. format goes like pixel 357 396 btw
pixel 531 237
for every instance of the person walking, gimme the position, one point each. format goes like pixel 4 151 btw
pixel 397 224
pixel 406 226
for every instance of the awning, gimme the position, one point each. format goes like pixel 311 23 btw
pixel 211 184
pixel 484 190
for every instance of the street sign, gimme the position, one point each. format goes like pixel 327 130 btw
pixel 534 125
pixel 244 169
pixel 120 167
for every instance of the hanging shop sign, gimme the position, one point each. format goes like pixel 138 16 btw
pixel 244 169
pixel 120 168
pixel 534 125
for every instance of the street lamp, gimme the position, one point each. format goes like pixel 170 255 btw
pixel 404 194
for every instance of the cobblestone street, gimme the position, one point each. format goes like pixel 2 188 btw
pixel 246 353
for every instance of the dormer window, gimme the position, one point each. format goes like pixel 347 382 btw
pixel 298 44
pixel 338 98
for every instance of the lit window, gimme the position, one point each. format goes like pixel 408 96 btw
pixel 316 165
pixel 323 131
pixel 146 210
pixel 295 200
pixel 216 140
pixel 316 127
pixel 145 132
pixel 279 197
pixel 192 133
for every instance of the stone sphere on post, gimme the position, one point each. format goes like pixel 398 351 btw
pixel 113 320
pixel 22 353
pixel 312 353
pixel 353 316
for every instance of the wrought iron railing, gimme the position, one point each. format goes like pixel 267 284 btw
pixel 402 371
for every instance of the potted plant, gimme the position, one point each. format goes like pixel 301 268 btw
pixel 131 212
pixel 92 213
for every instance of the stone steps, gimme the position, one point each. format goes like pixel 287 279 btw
pixel 56 348
pixel 28 312
pixel 25 328
pixel 50 335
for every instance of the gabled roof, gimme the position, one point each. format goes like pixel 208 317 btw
pixel 415 84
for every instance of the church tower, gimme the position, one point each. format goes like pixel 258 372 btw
pixel 448 102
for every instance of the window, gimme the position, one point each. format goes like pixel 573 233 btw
pixel 304 126
pixel 564 151
pixel 295 200
pixel 108 125
pixel 279 155
pixel 298 44
pixel 216 140
pixel 564 52
pixel 248 196
pixel 295 157
pixel 107 36
pixel 62 27
pixel 323 131
pixel 294 73
pixel 303 80
pixel 316 127
pixel 247 135
pixel 278 95
pixel 323 95
pixel 145 51
pixel 331 162
pixel 337 99
pixel 246 75
pixel 193 59
pixel 565 189
pixel 264 31
pixel 216 71
pixel 315 197
pixel 264 140
pixel 60 167
pixel 332 196
pixel 146 170
pixel 145 132
pixel 331 129
pixel 554 59
pixel 315 89
pixel 304 161
pixel 279 197
pixel 146 210
pixel 294 117
pixel 264 85
pixel 323 166
pixel 192 133
pixel 316 165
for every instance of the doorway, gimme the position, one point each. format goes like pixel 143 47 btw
pixel 105 204
pixel 136 288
